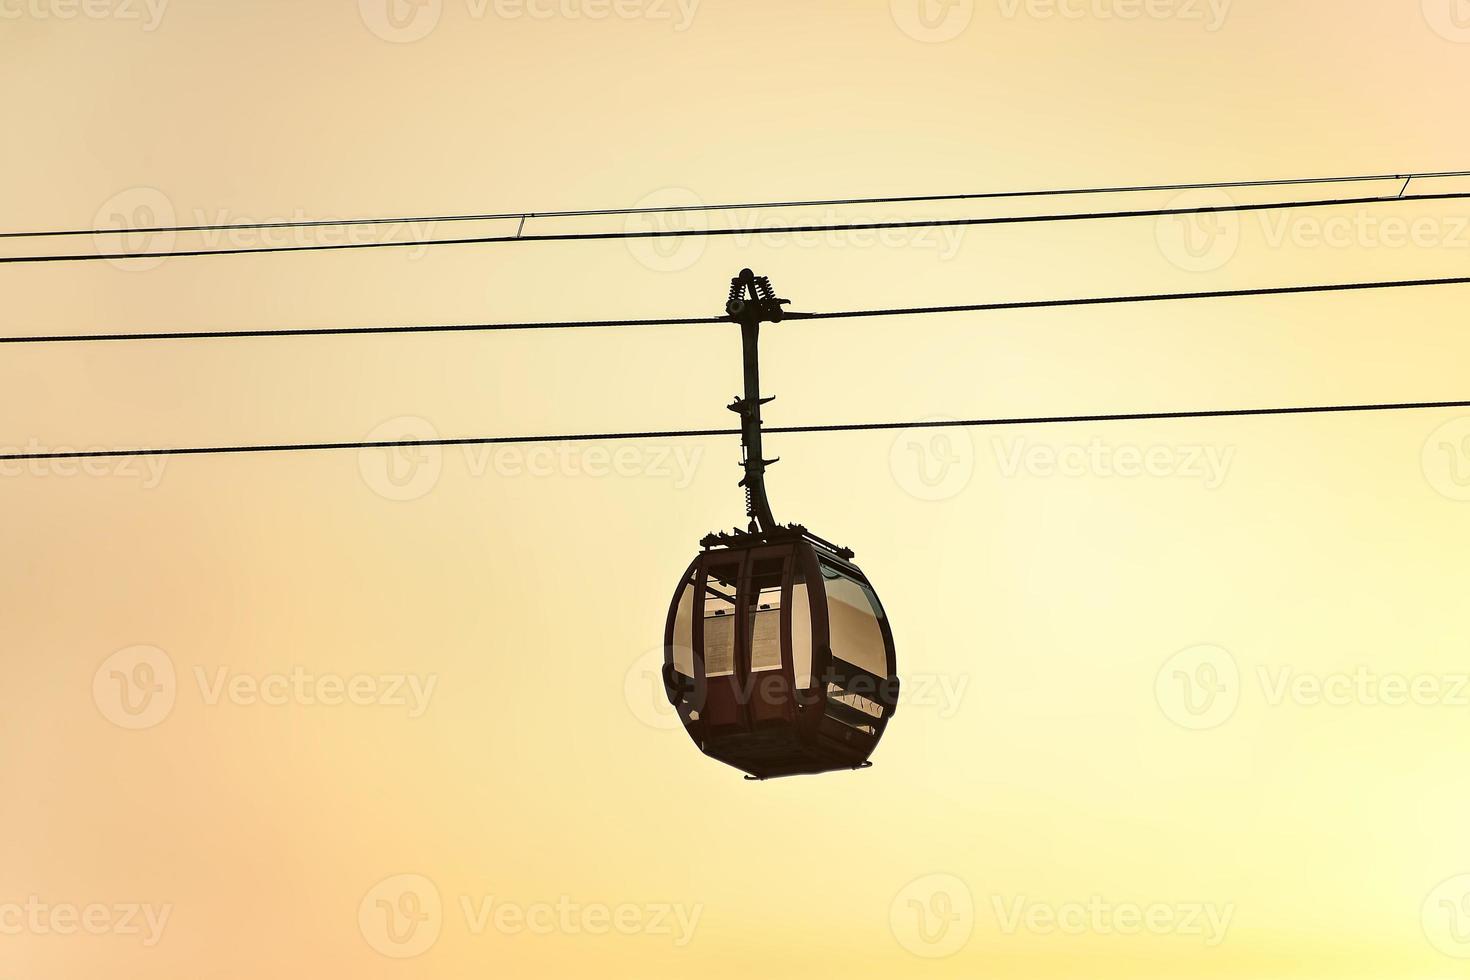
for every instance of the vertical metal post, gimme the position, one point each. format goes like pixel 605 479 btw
pixel 758 507
pixel 752 302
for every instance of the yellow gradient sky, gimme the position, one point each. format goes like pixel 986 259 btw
pixel 1184 699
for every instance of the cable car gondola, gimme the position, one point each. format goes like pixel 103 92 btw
pixel 778 656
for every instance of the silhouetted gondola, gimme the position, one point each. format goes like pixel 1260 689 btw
pixel 777 653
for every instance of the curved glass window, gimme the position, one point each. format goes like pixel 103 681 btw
pixel 801 634
pixel 765 632
pixel 854 612
pixel 719 620
pixel 684 630
pixel 765 614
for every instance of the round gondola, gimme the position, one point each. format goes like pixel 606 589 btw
pixel 778 656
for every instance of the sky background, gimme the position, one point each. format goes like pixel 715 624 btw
pixel 1182 698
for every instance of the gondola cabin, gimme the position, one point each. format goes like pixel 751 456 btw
pixel 778 656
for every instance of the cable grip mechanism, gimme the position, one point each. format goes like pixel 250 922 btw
pixel 753 301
